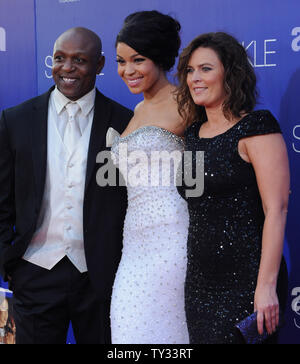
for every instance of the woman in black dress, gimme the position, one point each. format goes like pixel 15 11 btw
pixel 236 233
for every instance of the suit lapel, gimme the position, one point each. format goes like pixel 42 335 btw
pixel 98 133
pixel 39 142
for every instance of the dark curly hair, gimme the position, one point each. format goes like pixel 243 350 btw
pixel 153 35
pixel 239 78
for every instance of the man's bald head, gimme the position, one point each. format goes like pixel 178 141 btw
pixel 84 34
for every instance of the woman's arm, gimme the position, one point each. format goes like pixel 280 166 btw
pixel 268 155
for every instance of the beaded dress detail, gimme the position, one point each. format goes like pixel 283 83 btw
pixel 225 233
pixel 148 294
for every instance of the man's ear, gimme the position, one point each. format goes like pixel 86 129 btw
pixel 101 63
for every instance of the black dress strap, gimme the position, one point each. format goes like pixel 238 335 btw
pixel 260 122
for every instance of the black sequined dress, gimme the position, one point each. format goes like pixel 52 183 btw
pixel 225 234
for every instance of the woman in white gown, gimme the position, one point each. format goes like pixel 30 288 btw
pixel 148 294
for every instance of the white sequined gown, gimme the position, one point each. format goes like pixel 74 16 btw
pixel 148 294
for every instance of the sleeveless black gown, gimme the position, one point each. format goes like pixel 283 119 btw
pixel 225 234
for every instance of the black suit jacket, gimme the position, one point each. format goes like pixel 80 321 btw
pixel 23 159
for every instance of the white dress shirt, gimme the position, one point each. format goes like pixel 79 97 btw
pixel 60 225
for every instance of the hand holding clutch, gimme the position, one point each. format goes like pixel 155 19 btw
pixel 248 329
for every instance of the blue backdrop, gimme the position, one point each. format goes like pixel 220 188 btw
pixel 269 30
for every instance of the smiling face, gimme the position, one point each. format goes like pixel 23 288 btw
pixel 205 78
pixel 76 62
pixel 140 73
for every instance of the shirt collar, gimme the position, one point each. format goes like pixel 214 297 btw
pixel 86 102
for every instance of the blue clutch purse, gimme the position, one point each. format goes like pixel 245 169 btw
pixel 248 329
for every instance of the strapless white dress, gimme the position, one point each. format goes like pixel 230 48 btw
pixel 148 295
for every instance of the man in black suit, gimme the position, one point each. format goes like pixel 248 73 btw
pixel 60 232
